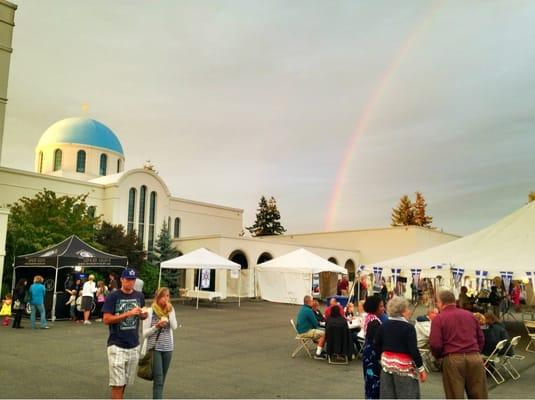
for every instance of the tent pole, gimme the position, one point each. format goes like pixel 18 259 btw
pixel 239 290
pixel 198 286
pixel 53 313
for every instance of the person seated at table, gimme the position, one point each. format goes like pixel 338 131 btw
pixel 333 303
pixel 494 333
pixel 465 302
pixel 350 311
pixel 317 312
pixel 307 327
pixel 337 334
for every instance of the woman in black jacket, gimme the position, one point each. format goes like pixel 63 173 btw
pixel 18 305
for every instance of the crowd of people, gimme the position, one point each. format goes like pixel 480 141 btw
pixel 452 338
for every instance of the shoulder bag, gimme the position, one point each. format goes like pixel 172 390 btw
pixel 144 366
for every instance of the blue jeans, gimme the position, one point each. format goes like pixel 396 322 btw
pixel 42 314
pixel 160 365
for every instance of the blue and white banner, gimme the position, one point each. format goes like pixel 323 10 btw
pixel 436 267
pixel 360 268
pixel 377 272
pixel 480 275
pixel 415 272
pixel 457 275
pixel 395 275
pixel 531 277
pixel 507 276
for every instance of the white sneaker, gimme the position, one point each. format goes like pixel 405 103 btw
pixel 98 320
pixel 87 323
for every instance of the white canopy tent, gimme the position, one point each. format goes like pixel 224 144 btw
pixel 288 278
pixel 201 259
pixel 506 248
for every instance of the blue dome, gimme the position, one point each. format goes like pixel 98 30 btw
pixel 81 131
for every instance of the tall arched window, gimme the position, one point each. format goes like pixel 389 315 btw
pixel 40 162
pixel 152 217
pixel 80 161
pixel 118 165
pixel 57 160
pixel 176 232
pixel 141 219
pixel 103 164
pixel 131 209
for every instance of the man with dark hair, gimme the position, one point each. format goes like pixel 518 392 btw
pixel 457 338
pixel 307 326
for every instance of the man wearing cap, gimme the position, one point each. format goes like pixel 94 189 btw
pixel 122 312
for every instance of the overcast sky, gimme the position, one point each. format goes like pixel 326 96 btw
pixel 234 99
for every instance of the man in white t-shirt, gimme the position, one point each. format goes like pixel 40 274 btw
pixel 88 293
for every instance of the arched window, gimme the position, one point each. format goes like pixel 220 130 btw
pixel 176 232
pixel 169 225
pixel 239 257
pixel 118 165
pixel 152 217
pixel 141 219
pixel 80 161
pixel 131 209
pixel 57 160
pixel 103 164
pixel 40 162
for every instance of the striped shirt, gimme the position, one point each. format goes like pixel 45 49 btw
pixel 165 340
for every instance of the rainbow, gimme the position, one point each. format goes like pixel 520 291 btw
pixel 367 112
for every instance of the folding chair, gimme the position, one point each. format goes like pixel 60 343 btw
pixel 425 353
pixel 361 346
pixel 493 361
pixel 303 343
pixel 506 359
pixel 338 359
pixel 530 329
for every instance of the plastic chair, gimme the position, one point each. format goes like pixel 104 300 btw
pixel 506 359
pixel 530 329
pixel 303 343
pixel 493 361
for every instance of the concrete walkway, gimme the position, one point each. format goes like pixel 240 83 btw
pixel 221 352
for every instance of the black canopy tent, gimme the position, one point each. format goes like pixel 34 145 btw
pixel 70 253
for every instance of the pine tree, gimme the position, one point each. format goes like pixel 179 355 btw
pixel 403 215
pixel 267 219
pixel 420 217
pixel 163 248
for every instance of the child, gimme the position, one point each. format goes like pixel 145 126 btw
pixel 6 310
pixel 72 303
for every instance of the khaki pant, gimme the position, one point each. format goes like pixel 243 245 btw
pixel 462 372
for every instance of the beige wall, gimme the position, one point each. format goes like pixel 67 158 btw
pixel 374 244
pixel 69 158
pixel 7 23
pixel 252 248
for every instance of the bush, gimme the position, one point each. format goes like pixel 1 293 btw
pixel 149 274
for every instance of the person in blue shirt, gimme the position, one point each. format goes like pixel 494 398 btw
pixel 37 301
pixel 307 326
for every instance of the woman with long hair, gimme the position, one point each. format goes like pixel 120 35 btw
pixel 371 366
pixel 158 335
pixel 19 296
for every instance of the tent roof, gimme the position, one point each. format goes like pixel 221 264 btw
pixel 200 259
pixel 70 252
pixel 301 261
pixel 507 245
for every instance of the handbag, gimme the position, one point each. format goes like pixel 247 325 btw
pixel 144 365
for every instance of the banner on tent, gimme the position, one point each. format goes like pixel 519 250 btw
pixel 480 275
pixel 395 275
pixel 507 276
pixel 360 268
pixel 457 275
pixel 415 272
pixel 377 272
pixel 205 278
pixel 531 277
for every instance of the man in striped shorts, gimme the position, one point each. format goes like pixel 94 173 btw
pixel 122 312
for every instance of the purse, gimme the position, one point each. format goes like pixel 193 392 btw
pixel 144 365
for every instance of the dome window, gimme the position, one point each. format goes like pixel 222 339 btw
pixel 103 164
pixel 80 161
pixel 57 160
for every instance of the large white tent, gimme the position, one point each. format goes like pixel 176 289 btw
pixel 288 278
pixel 506 249
pixel 200 259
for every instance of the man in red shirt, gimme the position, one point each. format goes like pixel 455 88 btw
pixel 457 338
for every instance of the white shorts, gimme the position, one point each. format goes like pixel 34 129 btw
pixel 122 365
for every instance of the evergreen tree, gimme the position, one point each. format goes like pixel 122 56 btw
pixel 404 214
pixel 163 249
pixel 267 219
pixel 420 217
pixel 114 239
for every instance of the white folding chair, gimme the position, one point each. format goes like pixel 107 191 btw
pixel 506 359
pixel 530 329
pixel 303 343
pixel 493 361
